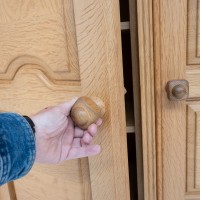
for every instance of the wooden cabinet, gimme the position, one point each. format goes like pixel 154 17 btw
pixel 169 50
pixel 50 52
pixel 53 50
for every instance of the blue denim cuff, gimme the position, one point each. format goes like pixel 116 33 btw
pixel 17 147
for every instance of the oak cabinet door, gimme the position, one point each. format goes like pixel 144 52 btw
pixel 51 51
pixel 177 47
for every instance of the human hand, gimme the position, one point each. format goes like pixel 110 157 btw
pixel 58 139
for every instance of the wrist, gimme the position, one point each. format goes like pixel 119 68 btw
pixel 31 123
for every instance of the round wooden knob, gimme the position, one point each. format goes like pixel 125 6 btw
pixel 86 111
pixel 179 91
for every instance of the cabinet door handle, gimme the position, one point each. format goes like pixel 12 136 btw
pixel 87 110
pixel 177 90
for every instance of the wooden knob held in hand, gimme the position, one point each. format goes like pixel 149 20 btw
pixel 86 111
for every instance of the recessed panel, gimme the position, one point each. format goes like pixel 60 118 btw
pixel 193 32
pixel 193 147
pixel 38 32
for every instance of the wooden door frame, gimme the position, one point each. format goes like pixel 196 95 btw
pixel 149 104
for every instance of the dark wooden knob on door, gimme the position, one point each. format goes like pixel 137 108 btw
pixel 177 90
pixel 86 111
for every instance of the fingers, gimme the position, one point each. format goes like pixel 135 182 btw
pixel 92 129
pixel 99 122
pixel 87 139
pixel 81 152
pixel 78 132
pixel 88 135
pixel 84 136
pixel 81 146
pixel 66 107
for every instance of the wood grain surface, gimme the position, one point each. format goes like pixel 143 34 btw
pixel 86 111
pixel 99 46
pixel 147 99
pixel 52 51
pixel 170 63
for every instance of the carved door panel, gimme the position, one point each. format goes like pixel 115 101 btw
pixel 51 51
pixel 177 45
pixel 193 105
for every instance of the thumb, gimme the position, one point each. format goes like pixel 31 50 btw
pixel 66 107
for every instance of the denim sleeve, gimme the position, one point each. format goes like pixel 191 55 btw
pixel 17 147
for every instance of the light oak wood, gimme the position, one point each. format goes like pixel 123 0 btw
pixel 4 193
pixel 52 51
pixel 192 197
pixel 193 51
pixel 170 63
pixel 106 43
pixel 147 101
pixel 60 184
pixel 176 56
pixel 193 120
pixel 193 76
pixel 12 192
pixel 48 36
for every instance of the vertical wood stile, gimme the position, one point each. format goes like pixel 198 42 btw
pixel 146 62
pixel 98 39
pixel 169 22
